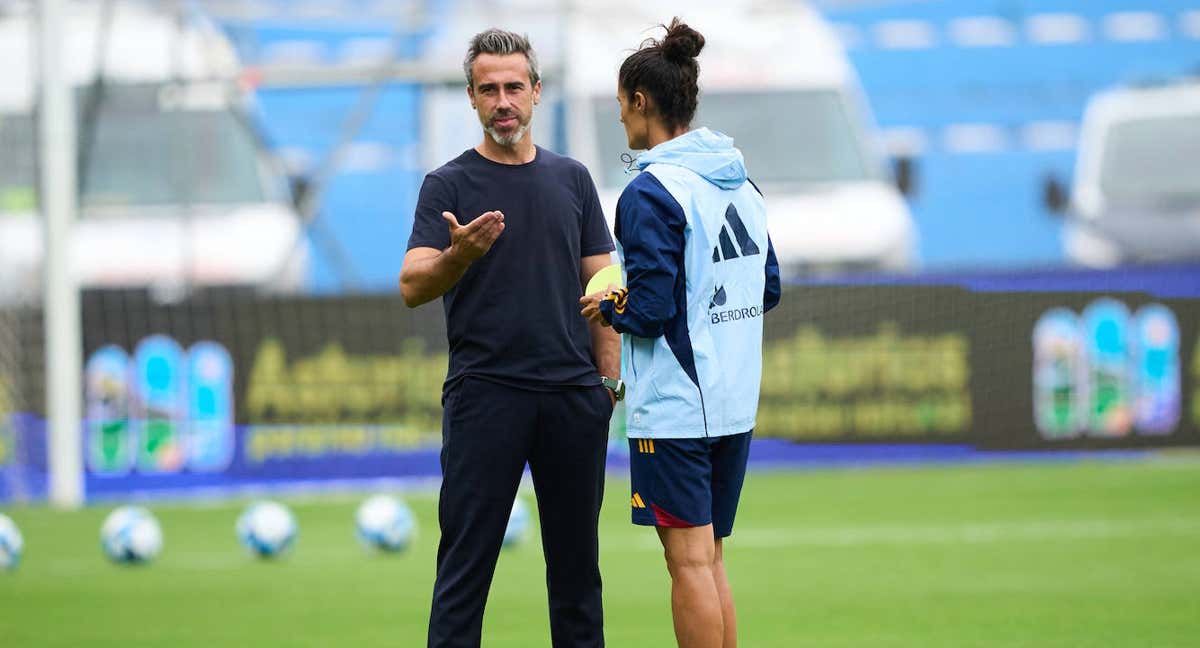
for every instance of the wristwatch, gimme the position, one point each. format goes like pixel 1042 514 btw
pixel 616 385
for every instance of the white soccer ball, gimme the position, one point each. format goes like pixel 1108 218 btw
pixel 385 523
pixel 11 543
pixel 267 529
pixel 131 535
pixel 518 524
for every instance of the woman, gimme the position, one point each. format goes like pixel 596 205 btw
pixel 700 272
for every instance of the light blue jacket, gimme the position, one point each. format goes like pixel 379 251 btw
pixel 700 272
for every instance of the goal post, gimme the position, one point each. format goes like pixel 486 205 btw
pixel 62 317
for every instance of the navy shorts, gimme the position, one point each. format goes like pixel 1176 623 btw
pixel 688 482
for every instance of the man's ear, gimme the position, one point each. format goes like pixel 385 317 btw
pixel 537 91
pixel 471 96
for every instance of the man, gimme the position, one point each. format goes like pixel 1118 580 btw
pixel 508 234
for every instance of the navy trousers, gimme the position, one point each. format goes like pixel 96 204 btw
pixel 489 432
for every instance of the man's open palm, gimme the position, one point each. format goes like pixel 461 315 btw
pixel 474 239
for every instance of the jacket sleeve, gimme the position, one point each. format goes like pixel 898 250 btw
pixel 651 228
pixel 773 290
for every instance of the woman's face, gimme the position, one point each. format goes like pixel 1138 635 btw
pixel 633 118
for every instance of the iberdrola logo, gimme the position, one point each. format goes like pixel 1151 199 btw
pixel 718 298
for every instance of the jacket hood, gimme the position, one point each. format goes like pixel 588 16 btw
pixel 709 154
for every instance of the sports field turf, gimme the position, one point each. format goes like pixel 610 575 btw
pixel 1079 554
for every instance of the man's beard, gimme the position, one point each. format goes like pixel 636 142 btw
pixel 512 138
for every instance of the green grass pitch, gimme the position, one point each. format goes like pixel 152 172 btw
pixel 1071 555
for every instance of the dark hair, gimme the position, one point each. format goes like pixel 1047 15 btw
pixel 667 71
pixel 498 41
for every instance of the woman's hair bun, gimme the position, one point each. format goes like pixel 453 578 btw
pixel 681 42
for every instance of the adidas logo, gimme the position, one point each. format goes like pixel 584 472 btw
pixel 725 249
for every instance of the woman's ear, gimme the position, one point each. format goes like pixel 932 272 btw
pixel 639 102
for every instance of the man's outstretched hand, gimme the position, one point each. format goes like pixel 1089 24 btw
pixel 473 240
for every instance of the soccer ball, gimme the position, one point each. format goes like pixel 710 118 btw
pixel 130 535
pixel 267 529
pixel 385 523
pixel 11 543
pixel 518 524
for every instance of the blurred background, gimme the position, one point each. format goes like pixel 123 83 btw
pixel 987 213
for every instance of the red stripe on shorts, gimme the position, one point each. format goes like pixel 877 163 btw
pixel 664 519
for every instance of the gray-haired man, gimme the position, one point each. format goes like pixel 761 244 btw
pixel 508 234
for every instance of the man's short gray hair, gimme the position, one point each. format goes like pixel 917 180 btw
pixel 500 42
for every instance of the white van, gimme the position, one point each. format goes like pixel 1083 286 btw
pixel 1135 197
pixel 773 76
pixel 176 189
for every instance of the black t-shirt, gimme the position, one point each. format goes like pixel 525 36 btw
pixel 514 316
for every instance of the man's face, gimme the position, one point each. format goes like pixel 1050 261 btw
pixel 503 96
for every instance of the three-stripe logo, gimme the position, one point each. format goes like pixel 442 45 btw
pixel 725 249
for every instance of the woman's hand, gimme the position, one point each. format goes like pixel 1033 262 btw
pixel 591 306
